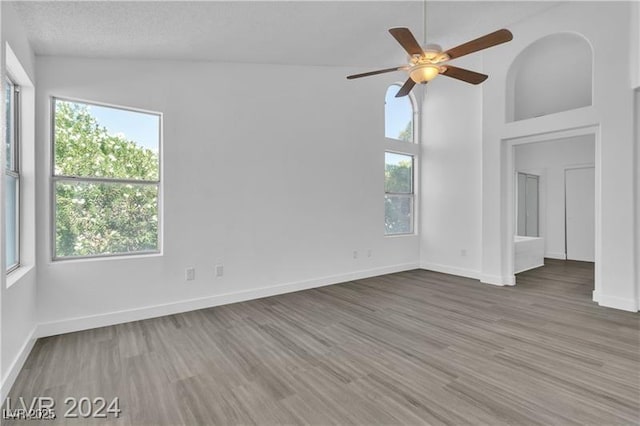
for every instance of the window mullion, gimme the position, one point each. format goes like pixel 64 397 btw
pixel 104 180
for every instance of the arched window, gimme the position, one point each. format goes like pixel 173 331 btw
pixel 399 163
pixel 398 116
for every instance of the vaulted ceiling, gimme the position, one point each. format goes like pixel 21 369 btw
pixel 331 33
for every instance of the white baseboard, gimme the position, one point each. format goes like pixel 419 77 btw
pixel 101 320
pixel 615 302
pixel 559 256
pixel 498 280
pixel 596 296
pixel 451 270
pixel 16 365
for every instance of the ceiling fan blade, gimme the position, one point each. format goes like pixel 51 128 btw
pixel 406 88
pixel 406 40
pixel 464 75
pixel 484 42
pixel 366 74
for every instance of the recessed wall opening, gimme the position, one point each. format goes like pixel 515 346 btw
pixel 553 74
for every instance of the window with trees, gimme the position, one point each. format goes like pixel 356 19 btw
pixel 398 193
pixel 12 176
pixel 399 170
pixel 106 180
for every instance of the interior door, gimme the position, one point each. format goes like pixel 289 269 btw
pixel 580 214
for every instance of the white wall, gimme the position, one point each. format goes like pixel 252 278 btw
pixel 612 113
pixel 549 160
pixel 451 174
pixel 637 181
pixel 18 301
pixel 634 51
pixel 635 83
pixel 279 178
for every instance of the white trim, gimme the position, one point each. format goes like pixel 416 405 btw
pixel 118 317
pixel 451 270
pixel 615 302
pixel 17 364
pixel 530 268
pixel 554 255
pixel 498 280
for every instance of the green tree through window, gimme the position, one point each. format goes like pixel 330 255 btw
pixel 106 188
pixel 398 188
pixel 400 151
pixel 407 134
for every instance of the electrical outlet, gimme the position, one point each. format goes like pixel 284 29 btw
pixel 190 274
pixel 219 270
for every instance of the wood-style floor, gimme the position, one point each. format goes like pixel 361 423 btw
pixel 409 348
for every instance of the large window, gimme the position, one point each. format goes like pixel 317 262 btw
pixel 399 167
pixel 106 180
pixel 12 176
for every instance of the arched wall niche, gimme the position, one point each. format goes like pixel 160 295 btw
pixel 551 75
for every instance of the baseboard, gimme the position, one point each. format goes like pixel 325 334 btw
pixel 119 317
pixel 498 280
pixel 17 364
pixel 559 256
pixel 451 270
pixel 596 296
pixel 615 302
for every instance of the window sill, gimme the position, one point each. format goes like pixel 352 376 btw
pixel 411 234
pixel 17 274
pixel 114 257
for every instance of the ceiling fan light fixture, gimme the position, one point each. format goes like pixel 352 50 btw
pixel 424 73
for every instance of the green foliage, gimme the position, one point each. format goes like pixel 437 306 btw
pixel 397 208
pixel 407 134
pixel 83 148
pixel 95 217
pixel 398 177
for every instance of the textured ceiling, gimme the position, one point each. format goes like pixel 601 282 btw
pixel 278 32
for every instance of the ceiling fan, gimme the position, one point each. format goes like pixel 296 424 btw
pixel 425 64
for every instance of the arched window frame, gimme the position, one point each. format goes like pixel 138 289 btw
pixel 409 148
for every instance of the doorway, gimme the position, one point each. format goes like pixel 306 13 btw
pixel 557 176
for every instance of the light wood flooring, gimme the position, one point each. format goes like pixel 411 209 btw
pixel 410 348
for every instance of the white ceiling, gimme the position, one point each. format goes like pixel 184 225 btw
pixel 333 33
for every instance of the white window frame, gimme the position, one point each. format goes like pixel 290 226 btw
pixel 86 179
pixel 410 148
pixel 14 172
pixel 25 125
pixel 410 195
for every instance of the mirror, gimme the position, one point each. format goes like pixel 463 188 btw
pixel 527 208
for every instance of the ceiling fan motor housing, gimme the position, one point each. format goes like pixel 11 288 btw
pixel 432 54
